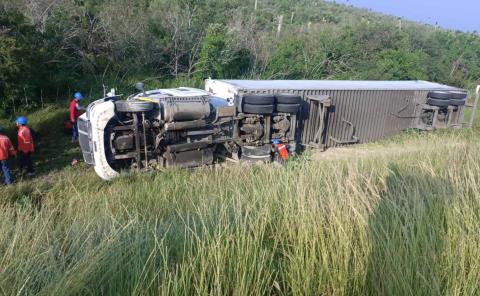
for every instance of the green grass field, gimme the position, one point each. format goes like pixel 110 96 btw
pixel 398 217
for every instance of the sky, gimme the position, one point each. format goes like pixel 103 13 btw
pixel 461 15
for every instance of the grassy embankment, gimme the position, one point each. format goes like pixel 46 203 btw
pixel 399 217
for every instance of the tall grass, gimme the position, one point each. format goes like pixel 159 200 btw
pixel 399 223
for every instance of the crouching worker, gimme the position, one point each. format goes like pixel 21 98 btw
pixel 25 145
pixel 6 151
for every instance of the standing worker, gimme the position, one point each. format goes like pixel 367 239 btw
pixel 75 112
pixel 6 150
pixel 25 145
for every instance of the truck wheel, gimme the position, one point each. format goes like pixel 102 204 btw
pixel 288 108
pixel 133 106
pixel 455 102
pixel 439 95
pixel 458 95
pixel 254 99
pixel 256 159
pixel 258 109
pixel 438 102
pixel 264 150
pixel 288 99
pixel 256 154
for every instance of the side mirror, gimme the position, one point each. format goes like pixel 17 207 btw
pixel 140 86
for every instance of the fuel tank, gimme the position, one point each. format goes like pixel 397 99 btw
pixel 184 110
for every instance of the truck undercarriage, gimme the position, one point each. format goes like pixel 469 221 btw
pixel 165 128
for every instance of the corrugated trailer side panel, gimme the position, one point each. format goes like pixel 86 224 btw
pixel 375 111
pixel 375 114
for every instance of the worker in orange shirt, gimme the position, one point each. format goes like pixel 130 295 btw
pixel 6 151
pixel 75 112
pixel 25 145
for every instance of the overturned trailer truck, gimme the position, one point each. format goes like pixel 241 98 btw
pixel 247 119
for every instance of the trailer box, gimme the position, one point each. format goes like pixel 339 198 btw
pixel 337 113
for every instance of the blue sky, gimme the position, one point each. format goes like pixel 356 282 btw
pixel 454 14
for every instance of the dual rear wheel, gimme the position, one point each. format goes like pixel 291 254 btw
pixel 444 99
pixel 268 104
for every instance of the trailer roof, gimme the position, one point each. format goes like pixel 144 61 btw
pixel 338 85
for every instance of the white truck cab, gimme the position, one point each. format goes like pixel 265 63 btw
pixel 160 127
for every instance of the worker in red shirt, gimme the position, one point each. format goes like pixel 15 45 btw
pixel 6 151
pixel 75 112
pixel 25 145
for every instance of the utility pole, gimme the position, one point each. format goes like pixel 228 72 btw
pixel 474 107
pixel 279 28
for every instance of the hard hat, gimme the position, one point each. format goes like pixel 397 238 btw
pixel 78 95
pixel 22 120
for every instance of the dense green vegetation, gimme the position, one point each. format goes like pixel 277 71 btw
pixel 50 48
pixel 399 217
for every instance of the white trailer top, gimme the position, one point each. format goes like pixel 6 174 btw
pixel 419 85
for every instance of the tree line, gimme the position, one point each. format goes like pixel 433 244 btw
pixel 48 48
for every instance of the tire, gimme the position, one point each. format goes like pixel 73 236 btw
pixel 256 159
pixel 288 108
pixel 454 102
pixel 258 109
pixel 438 102
pixel 253 99
pixel 439 95
pixel 133 106
pixel 258 151
pixel 458 95
pixel 288 99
